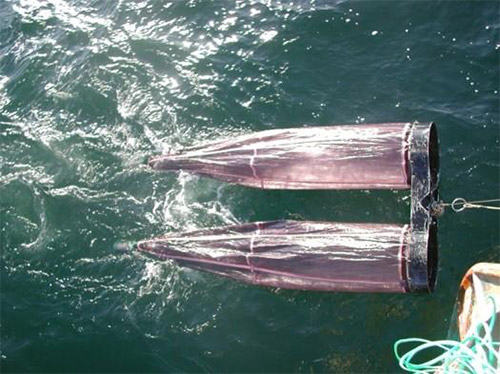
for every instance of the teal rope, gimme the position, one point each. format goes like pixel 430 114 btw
pixel 476 353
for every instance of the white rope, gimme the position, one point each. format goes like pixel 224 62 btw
pixel 460 204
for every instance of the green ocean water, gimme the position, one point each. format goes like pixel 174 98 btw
pixel 89 89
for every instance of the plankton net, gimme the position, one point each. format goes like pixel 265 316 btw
pixel 327 256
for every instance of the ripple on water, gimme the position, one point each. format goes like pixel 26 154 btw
pixel 89 89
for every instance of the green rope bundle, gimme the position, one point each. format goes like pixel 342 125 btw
pixel 477 353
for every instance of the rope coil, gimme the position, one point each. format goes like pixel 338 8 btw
pixel 478 352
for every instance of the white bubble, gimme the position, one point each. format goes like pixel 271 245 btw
pixel 254 12
pixel 268 35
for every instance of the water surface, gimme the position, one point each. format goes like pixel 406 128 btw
pixel 89 89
